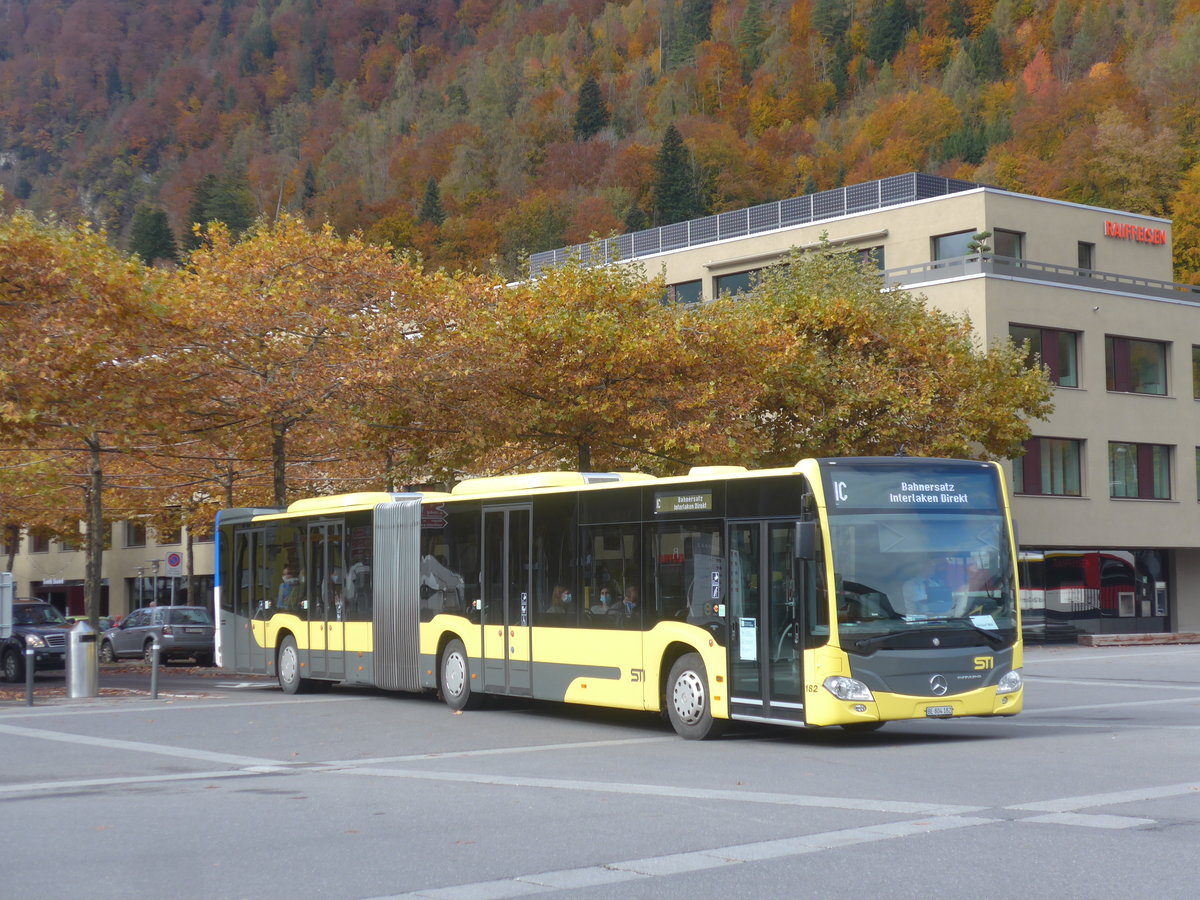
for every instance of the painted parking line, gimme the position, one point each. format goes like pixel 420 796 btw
pixel 692 861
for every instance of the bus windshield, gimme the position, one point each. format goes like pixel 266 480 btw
pixel 911 573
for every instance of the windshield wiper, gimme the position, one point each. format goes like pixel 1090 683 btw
pixel 864 643
pixel 994 637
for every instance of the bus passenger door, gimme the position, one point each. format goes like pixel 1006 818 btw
pixel 507 593
pixel 238 639
pixel 764 618
pixel 325 574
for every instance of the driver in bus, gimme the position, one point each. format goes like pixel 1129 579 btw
pixel 927 592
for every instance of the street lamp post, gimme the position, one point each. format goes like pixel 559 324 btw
pixel 155 563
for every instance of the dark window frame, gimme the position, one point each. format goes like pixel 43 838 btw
pixel 1048 352
pixel 1144 471
pixel 1120 372
pixel 1027 471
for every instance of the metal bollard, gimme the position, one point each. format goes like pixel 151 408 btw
pixel 29 676
pixel 154 650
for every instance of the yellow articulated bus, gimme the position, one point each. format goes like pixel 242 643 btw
pixel 846 592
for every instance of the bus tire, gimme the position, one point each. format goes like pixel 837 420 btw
pixel 689 706
pixel 454 679
pixel 287 668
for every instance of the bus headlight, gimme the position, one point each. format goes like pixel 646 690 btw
pixel 848 688
pixel 1009 682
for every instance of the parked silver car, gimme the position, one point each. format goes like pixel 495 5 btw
pixel 182 631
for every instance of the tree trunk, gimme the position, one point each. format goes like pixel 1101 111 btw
pixel 279 462
pixel 585 457
pixel 95 534
pixel 12 537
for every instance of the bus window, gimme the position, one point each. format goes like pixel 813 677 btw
pixel 358 589
pixel 685 556
pixel 555 581
pixel 612 565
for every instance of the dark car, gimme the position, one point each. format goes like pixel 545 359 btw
pixel 181 631
pixel 40 626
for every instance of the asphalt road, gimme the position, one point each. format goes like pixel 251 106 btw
pixel 223 787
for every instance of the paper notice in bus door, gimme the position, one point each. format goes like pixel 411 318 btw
pixel 748 639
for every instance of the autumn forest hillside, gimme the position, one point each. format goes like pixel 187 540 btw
pixel 478 130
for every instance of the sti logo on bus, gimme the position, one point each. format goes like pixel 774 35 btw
pixel 984 662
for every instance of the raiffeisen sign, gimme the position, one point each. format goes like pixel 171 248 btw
pixel 1138 233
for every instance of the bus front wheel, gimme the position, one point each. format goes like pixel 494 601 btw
pixel 287 668
pixel 688 704
pixel 455 680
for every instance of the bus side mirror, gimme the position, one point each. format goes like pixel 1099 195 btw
pixel 806 540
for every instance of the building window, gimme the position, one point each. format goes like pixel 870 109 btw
pixel 1087 255
pixel 735 283
pixel 1139 471
pixel 872 257
pixel 951 246
pixel 135 534
pixel 1198 473
pixel 1055 349
pixel 685 292
pixel 39 543
pixel 1196 372
pixel 168 535
pixel 1135 367
pixel 1010 244
pixel 1050 467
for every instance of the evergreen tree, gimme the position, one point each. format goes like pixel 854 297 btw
pixel 591 115
pixel 888 27
pixel 198 210
pixel 227 199
pixel 676 198
pixel 150 236
pixel 635 220
pixel 258 46
pixel 985 54
pixel 232 202
pixel 751 33
pixel 831 18
pixel 431 205
pixel 695 25
pixel 112 83
pixel 309 182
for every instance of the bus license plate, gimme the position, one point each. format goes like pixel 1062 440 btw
pixel 939 712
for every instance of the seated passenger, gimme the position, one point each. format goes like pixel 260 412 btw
pixel 560 600
pixel 628 605
pixel 605 601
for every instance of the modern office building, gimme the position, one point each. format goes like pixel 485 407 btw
pixel 1107 495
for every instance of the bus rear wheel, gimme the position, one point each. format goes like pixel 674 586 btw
pixel 287 668
pixel 455 680
pixel 688 704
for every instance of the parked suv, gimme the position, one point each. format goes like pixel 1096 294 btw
pixel 182 631
pixel 40 626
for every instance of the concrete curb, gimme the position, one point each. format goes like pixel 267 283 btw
pixel 1134 640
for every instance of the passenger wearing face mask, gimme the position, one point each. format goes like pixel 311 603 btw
pixel 560 600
